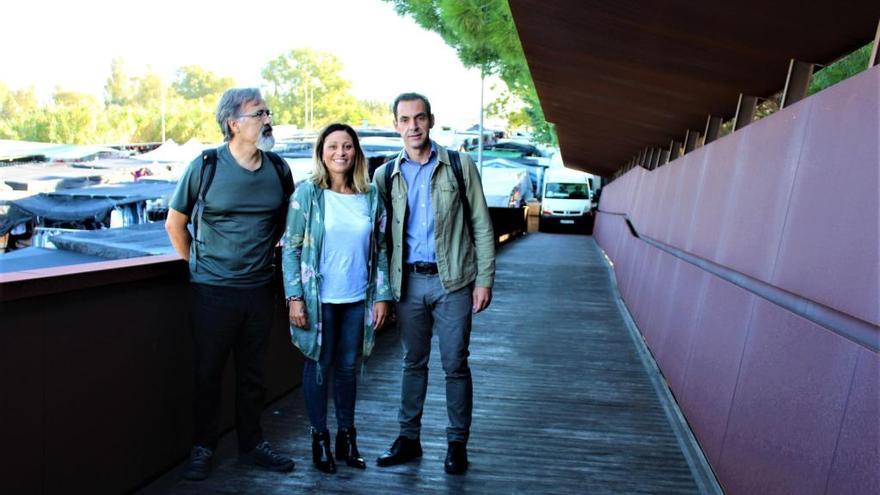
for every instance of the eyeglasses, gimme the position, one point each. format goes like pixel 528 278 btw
pixel 259 114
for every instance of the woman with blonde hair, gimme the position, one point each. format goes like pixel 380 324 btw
pixel 336 284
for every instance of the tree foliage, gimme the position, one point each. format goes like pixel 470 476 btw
pixel 847 66
pixel 483 34
pixel 305 87
pixel 133 106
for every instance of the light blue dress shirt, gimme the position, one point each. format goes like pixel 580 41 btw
pixel 420 221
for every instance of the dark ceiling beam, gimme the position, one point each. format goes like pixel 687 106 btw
pixel 618 77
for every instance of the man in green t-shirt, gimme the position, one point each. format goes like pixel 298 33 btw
pixel 231 274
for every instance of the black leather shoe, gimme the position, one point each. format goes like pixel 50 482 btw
pixel 347 449
pixel 456 458
pixel 263 455
pixel 322 456
pixel 402 450
pixel 199 467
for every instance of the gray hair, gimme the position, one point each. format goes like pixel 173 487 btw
pixel 230 104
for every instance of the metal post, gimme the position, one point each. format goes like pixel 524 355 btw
pixel 162 92
pixel 745 111
pixel 480 149
pixel 690 140
pixel 874 59
pixel 713 128
pixel 797 82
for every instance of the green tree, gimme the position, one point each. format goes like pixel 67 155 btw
pixel 304 81
pixel 483 34
pixel 20 115
pixel 193 82
pixel 371 113
pixel 118 90
pixel 846 67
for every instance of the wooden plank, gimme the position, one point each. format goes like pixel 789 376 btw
pixel 655 158
pixel 797 82
pixel 562 403
pixel 745 111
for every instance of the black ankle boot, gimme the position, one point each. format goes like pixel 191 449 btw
pixel 347 449
pixel 322 456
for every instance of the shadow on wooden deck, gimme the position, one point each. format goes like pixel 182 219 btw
pixel 562 401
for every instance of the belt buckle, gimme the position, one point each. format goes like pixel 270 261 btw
pixel 423 267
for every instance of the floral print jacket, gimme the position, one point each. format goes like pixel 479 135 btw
pixel 301 261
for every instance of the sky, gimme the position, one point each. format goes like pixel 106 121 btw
pixel 70 43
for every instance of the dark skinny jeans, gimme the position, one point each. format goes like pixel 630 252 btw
pixel 341 341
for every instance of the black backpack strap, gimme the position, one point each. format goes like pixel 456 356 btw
pixel 287 190
pixel 286 180
pixel 209 166
pixel 455 161
pixel 389 207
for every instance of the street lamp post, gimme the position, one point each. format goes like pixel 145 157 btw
pixel 480 149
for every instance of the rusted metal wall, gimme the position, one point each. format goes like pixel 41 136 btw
pixel 96 375
pixel 755 285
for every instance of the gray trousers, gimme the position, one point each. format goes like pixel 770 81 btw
pixel 424 310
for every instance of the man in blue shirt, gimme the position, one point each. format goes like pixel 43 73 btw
pixel 231 275
pixel 441 272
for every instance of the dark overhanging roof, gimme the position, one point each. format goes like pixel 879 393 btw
pixel 618 76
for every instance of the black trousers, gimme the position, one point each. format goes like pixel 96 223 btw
pixel 228 319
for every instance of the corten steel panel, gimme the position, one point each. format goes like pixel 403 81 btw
pixel 22 367
pixel 635 189
pixel 600 227
pixel 714 362
pixel 668 200
pixel 641 280
pixel 715 202
pixel 622 191
pixel 688 297
pixel 857 459
pixel 658 299
pixel 634 278
pixel 115 377
pixel 629 257
pixel 642 213
pixel 684 201
pixel 829 247
pixel 118 386
pixel 699 168
pixel 618 76
pixel 645 291
pixel 788 406
pixel 761 189
pixel 613 236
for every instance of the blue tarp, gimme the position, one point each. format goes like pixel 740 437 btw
pixel 82 204
pixel 32 258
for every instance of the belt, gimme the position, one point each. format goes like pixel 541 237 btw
pixel 422 267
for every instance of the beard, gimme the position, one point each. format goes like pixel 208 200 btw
pixel 266 141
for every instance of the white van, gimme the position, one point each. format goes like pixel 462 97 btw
pixel 566 199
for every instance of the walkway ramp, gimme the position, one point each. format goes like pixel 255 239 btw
pixel 563 400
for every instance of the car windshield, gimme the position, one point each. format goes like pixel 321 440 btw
pixel 564 190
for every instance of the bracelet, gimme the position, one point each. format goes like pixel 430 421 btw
pixel 293 298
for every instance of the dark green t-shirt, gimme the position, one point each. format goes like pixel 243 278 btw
pixel 238 221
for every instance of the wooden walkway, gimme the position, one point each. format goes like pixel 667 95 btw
pixel 562 401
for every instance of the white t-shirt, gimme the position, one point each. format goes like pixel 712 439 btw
pixel 346 247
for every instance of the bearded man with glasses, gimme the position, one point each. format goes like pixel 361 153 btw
pixel 231 263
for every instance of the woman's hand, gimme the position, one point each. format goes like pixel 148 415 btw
pixel 380 314
pixel 297 314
